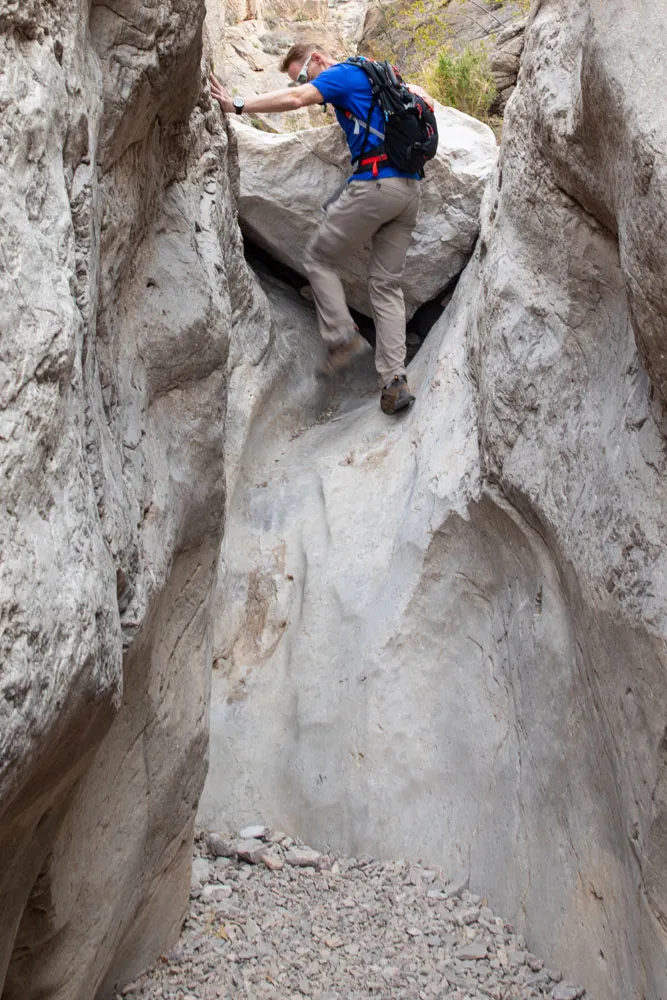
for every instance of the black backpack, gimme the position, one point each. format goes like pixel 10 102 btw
pixel 410 136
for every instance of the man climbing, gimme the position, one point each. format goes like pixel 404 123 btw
pixel 379 204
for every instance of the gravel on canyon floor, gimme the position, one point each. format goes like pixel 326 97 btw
pixel 272 919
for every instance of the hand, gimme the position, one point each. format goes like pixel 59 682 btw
pixel 420 92
pixel 219 94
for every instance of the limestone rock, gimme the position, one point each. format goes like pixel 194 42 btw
pixel 247 41
pixel 314 932
pixel 505 59
pixel 473 952
pixel 257 832
pixel 116 199
pixel 303 857
pixel 251 850
pixel 273 861
pixel 396 28
pixel 454 641
pixel 247 55
pixel 286 179
pixel 201 871
pixel 220 847
pixel 243 10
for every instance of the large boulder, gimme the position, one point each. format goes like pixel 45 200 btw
pixel 286 180
pixel 446 636
pixel 122 283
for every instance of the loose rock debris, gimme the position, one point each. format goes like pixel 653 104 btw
pixel 272 919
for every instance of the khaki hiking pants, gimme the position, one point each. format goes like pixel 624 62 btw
pixel 384 212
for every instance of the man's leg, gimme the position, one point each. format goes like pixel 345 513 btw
pixel 351 221
pixel 390 246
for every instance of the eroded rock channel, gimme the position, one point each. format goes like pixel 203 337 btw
pixel 442 637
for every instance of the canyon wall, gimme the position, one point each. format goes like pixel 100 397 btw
pixel 444 636
pixel 122 284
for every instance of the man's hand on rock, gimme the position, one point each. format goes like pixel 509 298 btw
pixel 219 94
pixel 420 92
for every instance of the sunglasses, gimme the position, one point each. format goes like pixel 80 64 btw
pixel 303 72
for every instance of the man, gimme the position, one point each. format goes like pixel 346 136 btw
pixel 379 204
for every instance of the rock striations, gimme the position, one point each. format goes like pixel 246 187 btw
pixel 438 637
pixel 122 283
pixel 445 635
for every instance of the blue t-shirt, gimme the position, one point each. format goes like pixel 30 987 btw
pixel 348 88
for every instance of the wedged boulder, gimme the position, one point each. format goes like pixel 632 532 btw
pixel 286 179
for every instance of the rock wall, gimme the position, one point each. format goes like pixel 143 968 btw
pixel 122 283
pixel 444 636
pixel 409 31
pixel 505 60
pixel 247 42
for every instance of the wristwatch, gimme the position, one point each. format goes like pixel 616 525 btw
pixel 239 105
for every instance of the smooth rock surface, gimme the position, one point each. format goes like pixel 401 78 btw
pixel 445 635
pixel 286 179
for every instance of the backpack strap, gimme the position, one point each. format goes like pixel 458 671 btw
pixel 365 65
pixel 372 161
pixel 365 125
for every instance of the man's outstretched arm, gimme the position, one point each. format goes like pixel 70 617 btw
pixel 286 99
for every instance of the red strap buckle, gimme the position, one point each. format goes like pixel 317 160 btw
pixel 374 160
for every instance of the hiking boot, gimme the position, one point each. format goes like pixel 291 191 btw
pixel 342 356
pixel 396 395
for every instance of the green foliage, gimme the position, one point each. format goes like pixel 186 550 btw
pixel 410 32
pixel 462 80
pixel 423 38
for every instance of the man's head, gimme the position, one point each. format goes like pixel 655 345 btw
pixel 305 61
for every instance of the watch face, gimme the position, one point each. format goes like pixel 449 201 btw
pixel 239 103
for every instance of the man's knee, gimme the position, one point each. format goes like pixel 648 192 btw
pixel 317 257
pixel 384 281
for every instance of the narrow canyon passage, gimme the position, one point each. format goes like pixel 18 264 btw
pixel 438 641
pixel 383 629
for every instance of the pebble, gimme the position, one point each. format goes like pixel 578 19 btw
pixel 257 832
pixel 474 952
pixel 301 925
pixel 276 837
pixel 466 916
pixel 251 850
pixel 220 847
pixel 201 871
pixel 566 991
pixel 303 857
pixel 273 861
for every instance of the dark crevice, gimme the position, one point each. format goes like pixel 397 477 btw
pixel 417 328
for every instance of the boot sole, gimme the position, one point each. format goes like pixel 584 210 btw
pixel 402 404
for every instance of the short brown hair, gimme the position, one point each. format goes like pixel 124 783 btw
pixel 299 52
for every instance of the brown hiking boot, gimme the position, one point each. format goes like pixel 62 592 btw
pixel 342 356
pixel 396 395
